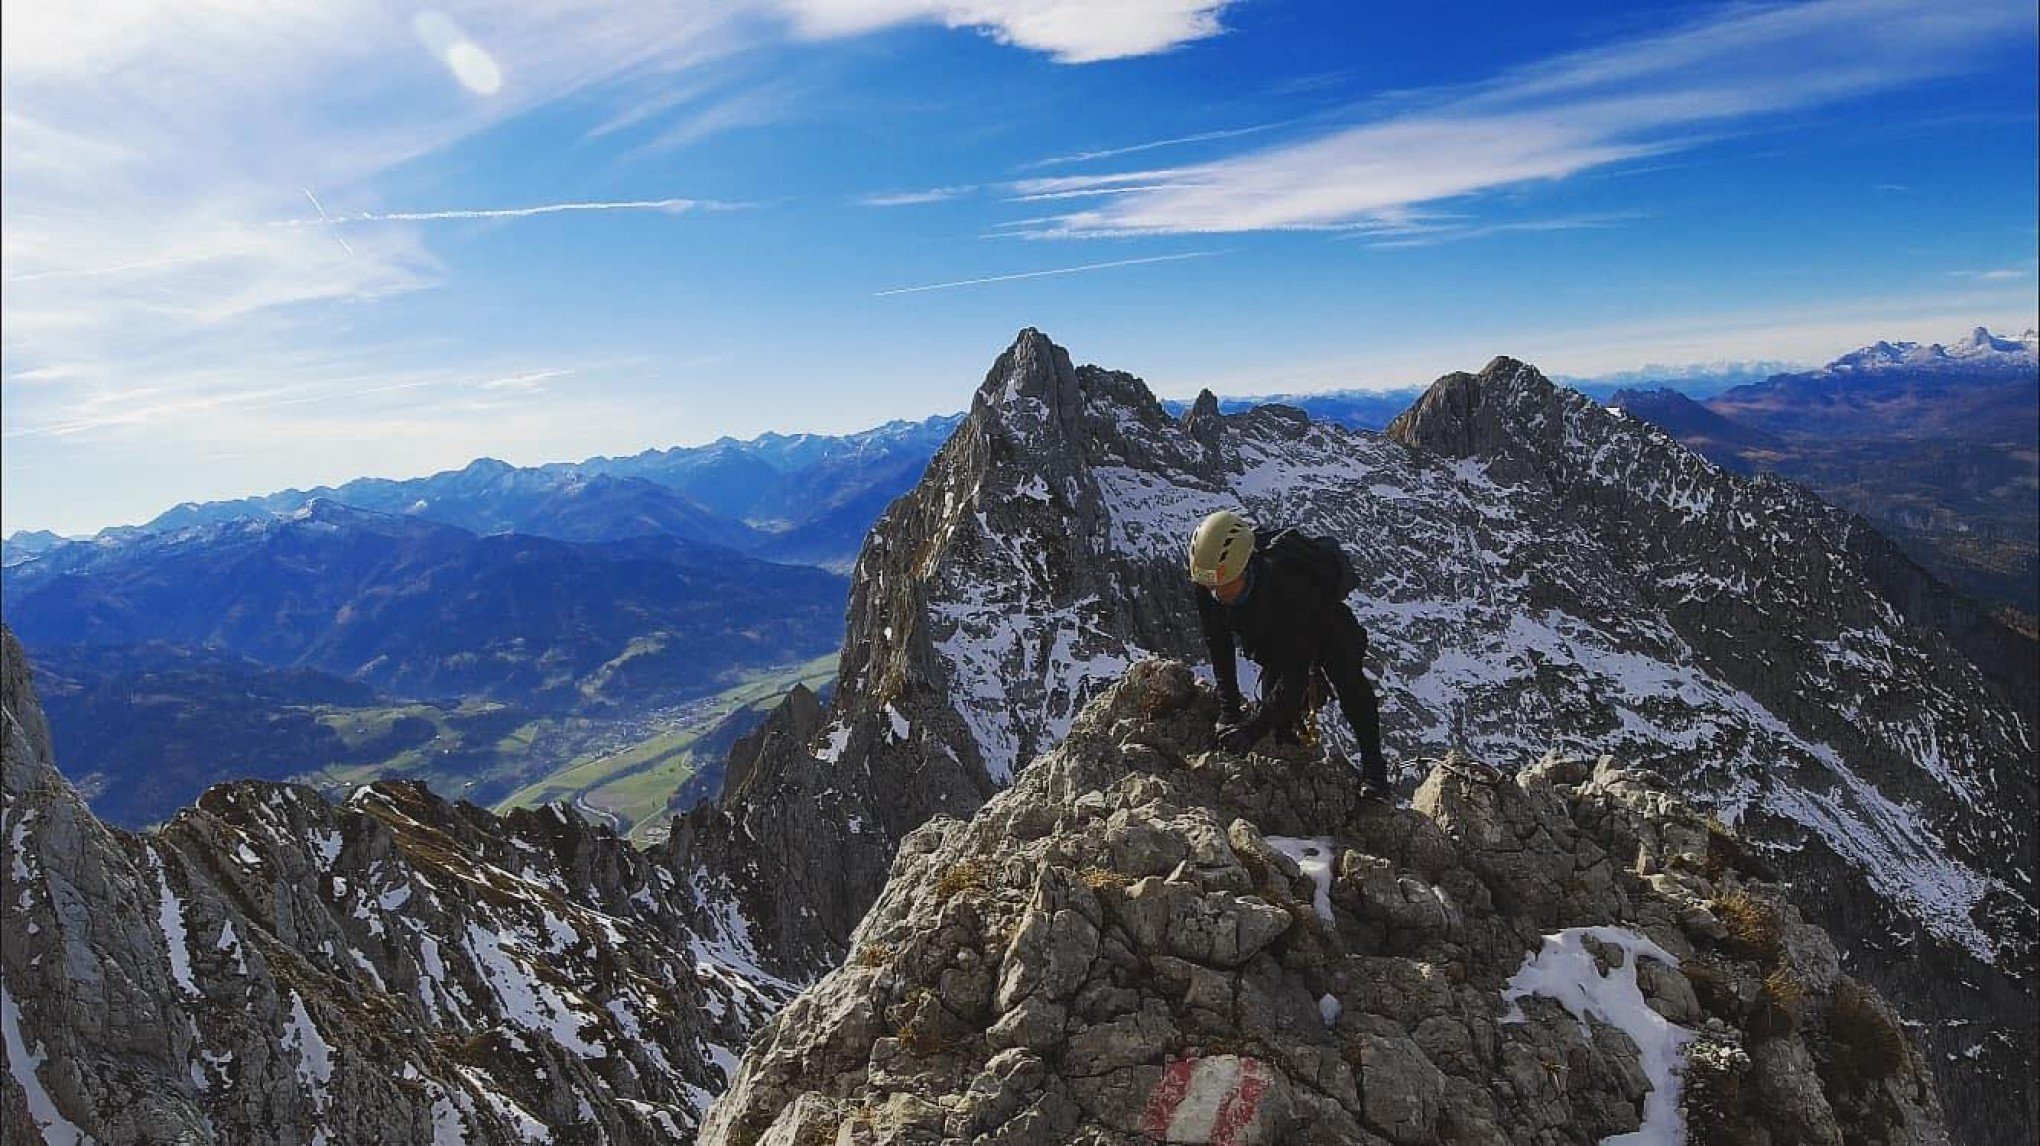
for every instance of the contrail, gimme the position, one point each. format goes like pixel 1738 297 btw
pixel 516 212
pixel 1200 137
pixel 317 206
pixel 1043 274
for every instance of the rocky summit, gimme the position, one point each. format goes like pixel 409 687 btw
pixel 1144 939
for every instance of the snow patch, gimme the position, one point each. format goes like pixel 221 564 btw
pixel 1314 857
pixel 57 1130
pixel 170 918
pixel 528 1001
pixel 314 1056
pixel 1564 970
pixel 838 739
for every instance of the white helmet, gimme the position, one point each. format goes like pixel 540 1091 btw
pixel 1220 548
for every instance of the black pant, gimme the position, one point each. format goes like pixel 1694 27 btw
pixel 1339 663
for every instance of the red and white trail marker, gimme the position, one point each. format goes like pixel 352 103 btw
pixel 1207 1101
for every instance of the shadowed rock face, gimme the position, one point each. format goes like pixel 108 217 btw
pixel 272 968
pixel 1123 947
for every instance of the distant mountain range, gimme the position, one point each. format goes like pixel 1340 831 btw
pixel 419 609
pixel 1935 444
pixel 800 499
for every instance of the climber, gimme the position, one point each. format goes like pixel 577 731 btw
pixel 1282 597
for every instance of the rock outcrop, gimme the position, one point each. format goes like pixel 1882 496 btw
pixel 1144 939
pixel 269 967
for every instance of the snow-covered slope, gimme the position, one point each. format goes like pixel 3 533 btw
pixel 1537 571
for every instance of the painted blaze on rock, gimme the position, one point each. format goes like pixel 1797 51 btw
pixel 1224 1100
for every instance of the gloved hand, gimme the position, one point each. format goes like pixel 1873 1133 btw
pixel 1238 737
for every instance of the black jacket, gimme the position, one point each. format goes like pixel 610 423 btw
pixel 1287 623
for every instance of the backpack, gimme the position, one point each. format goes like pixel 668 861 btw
pixel 1322 559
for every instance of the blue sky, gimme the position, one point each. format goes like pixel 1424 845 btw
pixel 251 244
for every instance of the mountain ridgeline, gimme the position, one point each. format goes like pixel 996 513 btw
pixel 1804 735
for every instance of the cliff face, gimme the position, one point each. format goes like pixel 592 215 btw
pixel 270 967
pixel 1145 939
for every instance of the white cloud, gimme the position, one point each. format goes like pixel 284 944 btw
pixel 1586 110
pixel 1072 31
pixel 2001 274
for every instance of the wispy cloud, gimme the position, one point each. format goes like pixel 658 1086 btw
pixel 917 198
pixel 1574 113
pixel 2001 274
pixel 1045 273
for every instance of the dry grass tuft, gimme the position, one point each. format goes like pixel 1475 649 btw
pixel 1782 987
pixel 1101 879
pixel 1753 924
pixel 970 875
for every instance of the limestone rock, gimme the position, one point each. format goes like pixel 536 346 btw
pixel 1114 950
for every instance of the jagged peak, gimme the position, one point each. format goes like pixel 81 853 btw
pixel 1032 367
pixel 1202 420
pixel 1034 388
pixel 1461 412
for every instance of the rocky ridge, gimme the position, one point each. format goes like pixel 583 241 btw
pixel 1537 571
pixel 269 967
pixel 1143 939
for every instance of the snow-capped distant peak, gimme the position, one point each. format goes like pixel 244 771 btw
pixel 1977 348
